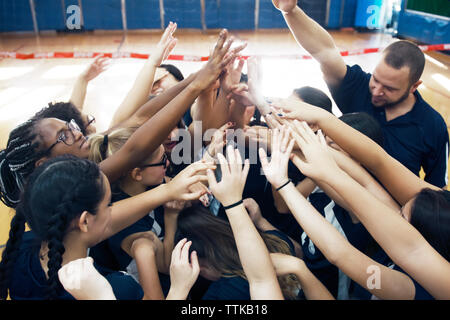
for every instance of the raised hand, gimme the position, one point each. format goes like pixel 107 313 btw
pixel 200 187
pixel 218 140
pixel 302 111
pixel 99 65
pixel 84 282
pixel 183 273
pixel 229 190
pixel 285 5
pixel 239 92
pixel 165 45
pixel 232 75
pixel 179 186
pixel 254 85
pixel 221 56
pixel 276 170
pixel 318 162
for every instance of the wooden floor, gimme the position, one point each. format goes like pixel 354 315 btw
pixel 28 85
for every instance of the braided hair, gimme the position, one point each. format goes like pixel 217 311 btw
pixel 18 159
pixel 56 193
pixel 11 252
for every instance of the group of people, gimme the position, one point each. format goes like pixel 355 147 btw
pixel 332 208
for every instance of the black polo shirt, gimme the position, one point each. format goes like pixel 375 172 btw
pixel 417 139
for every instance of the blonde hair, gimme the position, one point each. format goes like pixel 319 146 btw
pixel 116 139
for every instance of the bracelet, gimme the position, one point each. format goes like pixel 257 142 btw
pixel 233 205
pixel 279 188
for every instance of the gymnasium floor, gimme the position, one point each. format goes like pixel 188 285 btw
pixel 28 85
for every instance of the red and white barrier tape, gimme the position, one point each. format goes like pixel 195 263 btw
pixel 116 55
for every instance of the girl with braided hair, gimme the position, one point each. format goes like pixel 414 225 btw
pixel 67 205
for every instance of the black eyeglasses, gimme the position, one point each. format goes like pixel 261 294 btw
pixel 90 120
pixel 66 136
pixel 162 163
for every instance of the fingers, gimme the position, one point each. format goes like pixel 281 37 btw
pixel 263 158
pixel 184 256
pixel 272 122
pixel 198 166
pixel 321 138
pixel 245 170
pixel 305 131
pixel 194 263
pixel 212 182
pixel 176 252
pixel 170 29
pixel 285 138
pixel 290 146
pixel 296 135
pixel 226 126
pixel 223 165
pixel 219 44
pixel 170 47
pixel 240 65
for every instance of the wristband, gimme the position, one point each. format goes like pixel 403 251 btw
pixel 279 188
pixel 233 205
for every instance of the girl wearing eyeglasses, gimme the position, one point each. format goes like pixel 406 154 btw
pixel 67 205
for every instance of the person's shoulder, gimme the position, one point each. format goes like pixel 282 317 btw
pixel 228 288
pixel 28 279
pixel 356 72
pixel 122 283
pixel 428 115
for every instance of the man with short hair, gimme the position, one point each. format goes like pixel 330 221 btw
pixel 415 134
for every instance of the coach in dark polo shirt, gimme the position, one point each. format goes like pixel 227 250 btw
pixel 414 133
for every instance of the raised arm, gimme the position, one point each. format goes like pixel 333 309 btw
pixel 398 238
pixel 141 88
pixel 252 250
pixel 79 89
pixel 152 106
pixel 401 183
pixel 151 134
pixel 184 271
pixel 337 250
pixel 126 212
pixel 312 288
pixel 144 251
pixel 314 39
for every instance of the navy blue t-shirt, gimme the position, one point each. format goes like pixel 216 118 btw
pixel 28 280
pixel 417 139
pixel 109 253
